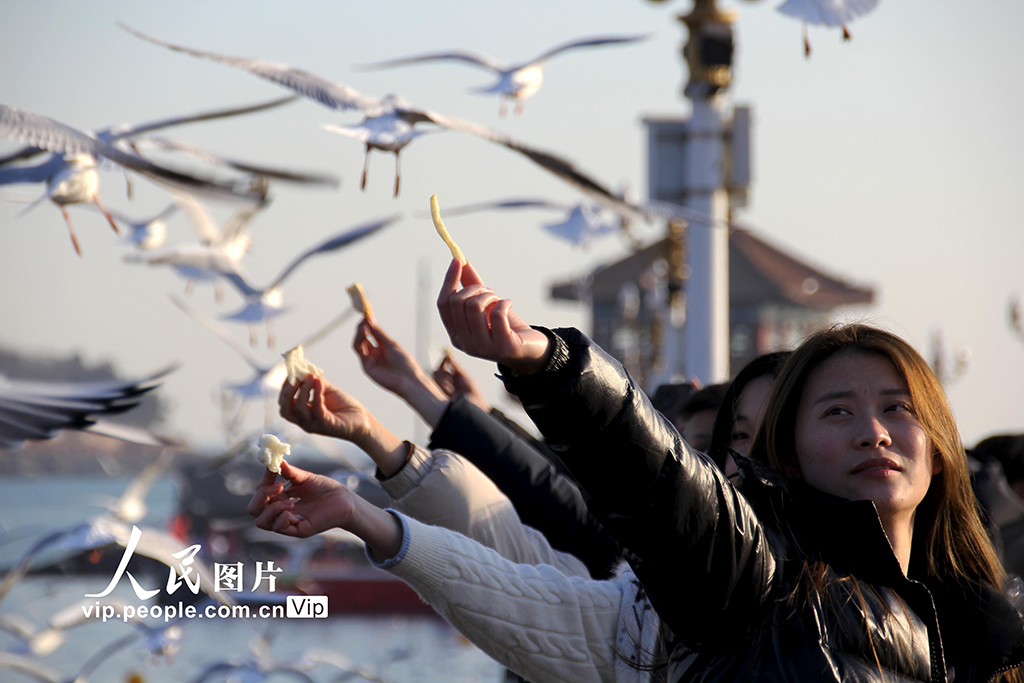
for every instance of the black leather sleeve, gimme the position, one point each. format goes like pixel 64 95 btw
pixel 544 498
pixel 701 552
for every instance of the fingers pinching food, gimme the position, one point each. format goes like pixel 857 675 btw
pixel 435 214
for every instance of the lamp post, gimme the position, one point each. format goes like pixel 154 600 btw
pixel 692 164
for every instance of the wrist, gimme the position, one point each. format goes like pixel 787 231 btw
pixel 426 398
pixel 386 450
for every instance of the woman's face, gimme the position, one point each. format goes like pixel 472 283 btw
pixel 858 436
pixel 749 411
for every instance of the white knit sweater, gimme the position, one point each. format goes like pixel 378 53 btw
pixel 533 618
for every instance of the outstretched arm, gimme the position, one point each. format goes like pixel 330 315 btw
pixel 484 325
pixel 319 407
pixel 393 368
pixel 306 504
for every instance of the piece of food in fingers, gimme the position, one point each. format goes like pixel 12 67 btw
pixel 359 300
pixel 271 452
pixel 435 214
pixel 298 367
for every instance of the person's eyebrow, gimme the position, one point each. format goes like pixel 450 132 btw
pixel 848 393
pixel 844 393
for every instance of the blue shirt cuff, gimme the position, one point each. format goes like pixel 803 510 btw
pixel 402 552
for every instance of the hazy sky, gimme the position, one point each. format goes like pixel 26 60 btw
pixel 895 160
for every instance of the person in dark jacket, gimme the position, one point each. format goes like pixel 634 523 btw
pixel 545 498
pixel 858 555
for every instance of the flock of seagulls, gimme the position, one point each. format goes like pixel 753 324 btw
pixel 69 176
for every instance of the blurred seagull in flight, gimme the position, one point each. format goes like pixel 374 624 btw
pixel 516 82
pixel 388 122
pixel 827 13
pixel 72 177
pixel 266 303
pixel 146 233
pixel 582 224
pixel 266 380
pixel 218 252
pixel 38 410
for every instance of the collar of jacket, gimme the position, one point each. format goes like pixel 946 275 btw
pixel 976 623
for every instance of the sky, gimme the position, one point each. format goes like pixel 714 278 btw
pixel 895 160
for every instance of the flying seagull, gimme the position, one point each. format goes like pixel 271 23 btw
pixel 38 410
pixel 515 81
pixel 266 303
pixel 827 13
pixel 388 122
pixel 73 177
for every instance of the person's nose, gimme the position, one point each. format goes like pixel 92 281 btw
pixel 872 433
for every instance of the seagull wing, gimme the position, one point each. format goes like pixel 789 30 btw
pixel 827 12
pixel 206 229
pixel 160 547
pixel 131 130
pixel 18 572
pixel 327 93
pixel 223 336
pixel 334 243
pixel 503 204
pixel 165 144
pixel 40 173
pixel 37 410
pixel 134 495
pixel 75 614
pixel 561 167
pixel 101 656
pixel 57 137
pixel 30 667
pixel 466 57
pixel 585 42
pixel 320 334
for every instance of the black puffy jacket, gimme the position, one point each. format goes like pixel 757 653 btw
pixel 544 498
pixel 721 567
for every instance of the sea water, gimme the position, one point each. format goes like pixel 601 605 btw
pixel 395 648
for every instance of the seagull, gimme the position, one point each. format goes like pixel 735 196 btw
pixel 103 530
pixel 261 666
pixel 581 226
pixel 388 122
pixel 266 380
pixel 145 234
pixel 515 81
pixel 38 410
pixel 268 302
pixel 73 178
pixel 167 145
pixel 161 641
pixel 217 253
pixel 826 12
pixel 131 506
pixel 129 130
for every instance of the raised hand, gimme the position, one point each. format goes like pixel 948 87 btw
pixel 319 407
pixel 312 504
pixel 383 359
pixel 307 504
pixel 484 325
pixel 453 381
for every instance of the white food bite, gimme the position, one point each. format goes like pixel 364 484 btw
pixel 272 452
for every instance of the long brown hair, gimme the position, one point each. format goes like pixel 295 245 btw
pixel 957 546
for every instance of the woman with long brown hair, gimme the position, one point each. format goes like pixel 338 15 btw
pixel 857 554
